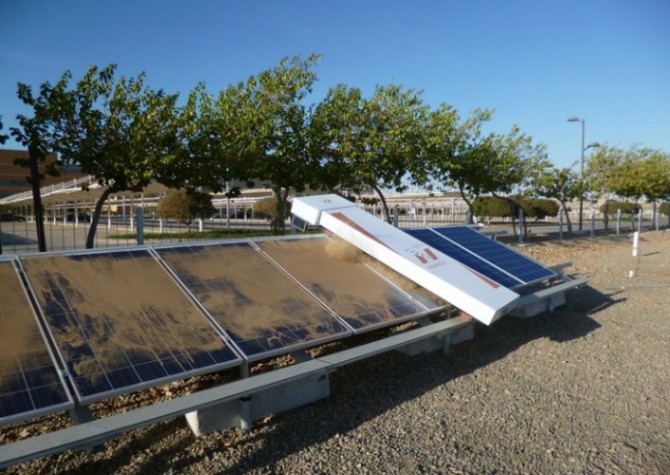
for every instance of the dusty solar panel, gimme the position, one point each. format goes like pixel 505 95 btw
pixel 30 385
pixel 120 322
pixel 262 309
pixel 428 299
pixel 335 272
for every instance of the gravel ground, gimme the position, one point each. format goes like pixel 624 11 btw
pixel 585 389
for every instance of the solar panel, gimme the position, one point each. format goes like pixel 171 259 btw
pixel 334 271
pixel 121 323
pixel 30 385
pixel 261 309
pixel 491 258
pixel 462 255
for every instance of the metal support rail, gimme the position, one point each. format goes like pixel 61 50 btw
pixel 99 431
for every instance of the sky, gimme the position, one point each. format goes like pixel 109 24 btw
pixel 534 62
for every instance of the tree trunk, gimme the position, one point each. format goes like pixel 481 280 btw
pixel 90 238
pixel 567 216
pixel 385 205
pixel 278 224
pixel 34 156
pixel 514 214
pixel 470 216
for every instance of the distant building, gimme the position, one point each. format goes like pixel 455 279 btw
pixel 13 178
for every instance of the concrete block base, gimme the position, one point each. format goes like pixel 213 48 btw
pixel 547 304
pixel 242 412
pixel 439 342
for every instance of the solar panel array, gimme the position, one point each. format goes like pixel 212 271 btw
pixel 91 325
pixel 352 290
pixel 490 258
pixel 261 309
pixel 121 323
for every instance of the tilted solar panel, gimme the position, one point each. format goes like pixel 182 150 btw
pixel 261 309
pixel 506 258
pixel 121 323
pixel 491 258
pixel 30 385
pixel 335 272
pixel 457 252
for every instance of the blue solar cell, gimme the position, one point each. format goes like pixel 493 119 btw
pixel 472 248
pixel 498 254
pixel 460 254
pixel 120 322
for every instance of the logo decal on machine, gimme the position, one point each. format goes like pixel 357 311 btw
pixel 424 255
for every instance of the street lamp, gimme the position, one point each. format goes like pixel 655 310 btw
pixel 581 165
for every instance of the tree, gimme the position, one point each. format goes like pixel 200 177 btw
pixel 3 137
pixel 265 208
pixel 122 132
pixel 272 123
pixel 335 123
pixel 515 164
pixel 213 134
pixel 562 184
pixel 378 142
pixel 634 173
pixel 39 133
pixel 185 206
pixel 493 164
pixel 457 153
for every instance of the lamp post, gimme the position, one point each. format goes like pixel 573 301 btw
pixel 581 165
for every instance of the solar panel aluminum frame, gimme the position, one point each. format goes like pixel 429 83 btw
pixel 69 377
pixel 509 248
pixel 49 345
pixel 229 339
pixel 368 328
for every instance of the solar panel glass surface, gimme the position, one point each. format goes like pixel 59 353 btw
pixel 335 272
pixel 120 322
pixel 261 308
pixel 462 255
pixel 30 385
pixel 498 254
